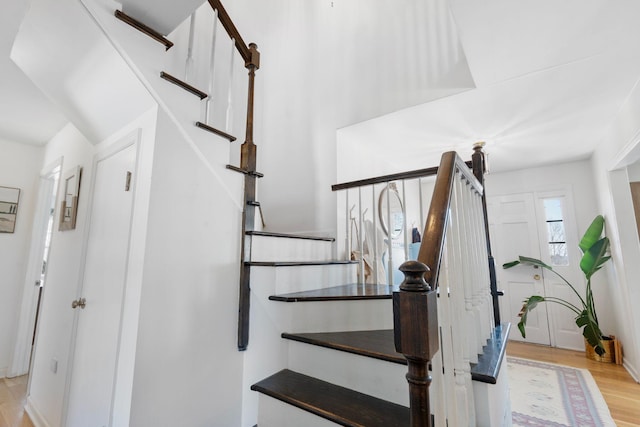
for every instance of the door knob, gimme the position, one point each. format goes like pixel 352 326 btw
pixel 535 276
pixel 79 303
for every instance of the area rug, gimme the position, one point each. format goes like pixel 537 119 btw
pixel 548 395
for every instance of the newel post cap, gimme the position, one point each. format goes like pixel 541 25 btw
pixel 414 281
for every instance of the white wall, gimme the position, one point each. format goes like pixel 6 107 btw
pixel 20 168
pixel 319 73
pixel 188 370
pixel 619 148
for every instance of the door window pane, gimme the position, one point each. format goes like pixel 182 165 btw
pixel 556 237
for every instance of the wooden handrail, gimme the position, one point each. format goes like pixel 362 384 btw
pixel 231 29
pixel 418 173
pixel 415 310
pixel 248 164
pixel 431 249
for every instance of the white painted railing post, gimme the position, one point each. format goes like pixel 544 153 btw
pixel 212 62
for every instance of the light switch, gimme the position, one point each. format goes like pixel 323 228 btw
pixel 53 365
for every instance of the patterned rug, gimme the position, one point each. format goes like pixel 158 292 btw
pixel 548 395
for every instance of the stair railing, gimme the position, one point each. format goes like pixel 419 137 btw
pixel 367 217
pixel 443 311
pixel 444 304
pixel 248 163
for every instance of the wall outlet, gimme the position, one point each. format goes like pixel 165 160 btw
pixel 53 365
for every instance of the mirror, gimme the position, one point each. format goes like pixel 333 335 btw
pixel 69 205
pixel 391 210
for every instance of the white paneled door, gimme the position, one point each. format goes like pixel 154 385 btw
pixel 512 224
pixel 99 304
pixel 539 225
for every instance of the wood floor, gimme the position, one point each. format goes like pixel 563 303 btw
pixel 13 397
pixel 619 390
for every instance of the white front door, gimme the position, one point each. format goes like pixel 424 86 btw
pixel 512 224
pixel 90 399
pixel 539 225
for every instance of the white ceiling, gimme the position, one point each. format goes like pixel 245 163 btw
pixel 26 115
pixel 550 76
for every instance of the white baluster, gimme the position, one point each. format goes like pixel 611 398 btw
pixel 389 243
pixel 404 216
pixel 188 66
pixel 376 256
pixel 212 61
pixel 447 350
pixel 361 279
pixel 347 226
pixel 229 121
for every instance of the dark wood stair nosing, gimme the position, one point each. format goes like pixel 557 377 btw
pixel 297 263
pixel 182 84
pixel 349 292
pixel 379 344
pixel 335 403
pixel 289 236
pixel 143 29
pixel 246 172
pixel 218 132
pixel 352 344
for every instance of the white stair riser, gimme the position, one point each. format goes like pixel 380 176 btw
pixel 268 352
pixel 264 248
pixel 283 280
pixel 379 378
pixel 275 413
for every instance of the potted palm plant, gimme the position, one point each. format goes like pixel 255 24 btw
pixel 595 251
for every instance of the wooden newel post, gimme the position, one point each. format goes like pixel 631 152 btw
pixel 479 169
pixel 415 324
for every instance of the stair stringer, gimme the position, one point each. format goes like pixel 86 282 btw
pixel 146 58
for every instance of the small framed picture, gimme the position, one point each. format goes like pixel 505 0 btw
pixel 9 198
pixel 69 205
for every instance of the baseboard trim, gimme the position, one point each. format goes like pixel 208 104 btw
pixel 631 370
pixel 36 417
pixel 3 372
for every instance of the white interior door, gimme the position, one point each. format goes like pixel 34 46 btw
pixel 514 232
pixel 37 268
pixel 90 399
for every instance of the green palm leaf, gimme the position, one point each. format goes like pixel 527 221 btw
pixel 593 233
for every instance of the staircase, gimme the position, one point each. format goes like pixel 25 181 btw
pixel 319 343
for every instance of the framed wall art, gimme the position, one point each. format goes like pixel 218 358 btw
pixel 69 204
pixel 9 198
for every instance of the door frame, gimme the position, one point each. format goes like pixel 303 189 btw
pixel 133 138
pixel 21 360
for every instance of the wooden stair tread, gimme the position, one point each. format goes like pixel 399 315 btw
pixel 143 29
pixel 246 172
pixel 184 85
pixel 338 293
pixel 215 131
pixel 296 263
pixel 289 236
pixel 334 403
pixel 378 344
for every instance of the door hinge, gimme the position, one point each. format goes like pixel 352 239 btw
pixel 127 185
